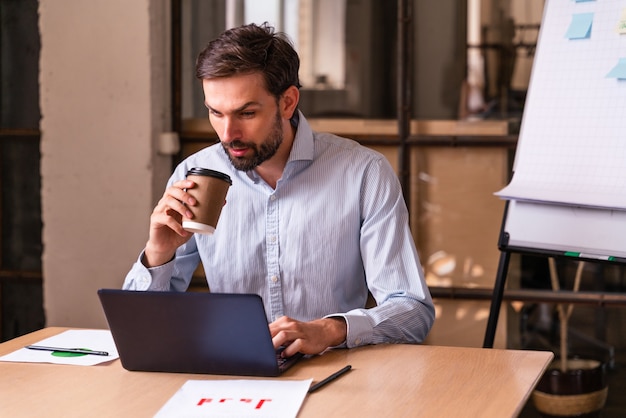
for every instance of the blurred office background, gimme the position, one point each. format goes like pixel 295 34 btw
pixel 89 87
pixel 99 102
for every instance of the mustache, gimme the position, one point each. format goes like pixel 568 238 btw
pixel 238 144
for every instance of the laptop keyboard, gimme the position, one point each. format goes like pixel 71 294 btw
pixel 279 356
pixel 280 359
pixel 285 362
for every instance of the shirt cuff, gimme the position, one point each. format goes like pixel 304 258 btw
pixel 141 277
pixel 359 329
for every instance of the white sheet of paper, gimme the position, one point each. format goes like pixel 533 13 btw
pixel 237 398
pixel 92 339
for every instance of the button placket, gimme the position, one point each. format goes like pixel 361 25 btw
pixel 272 254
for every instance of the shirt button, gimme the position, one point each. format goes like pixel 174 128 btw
pixel 273 238
pixel 357 341
pixel 274 279
pixel 273 197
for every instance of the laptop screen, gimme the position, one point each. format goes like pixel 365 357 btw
pixel 190 332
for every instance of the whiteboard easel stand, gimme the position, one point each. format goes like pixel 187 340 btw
pixel 599 299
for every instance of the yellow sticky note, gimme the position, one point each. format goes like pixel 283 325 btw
pixel 621 26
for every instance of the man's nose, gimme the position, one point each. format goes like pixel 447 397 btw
pixel 230 130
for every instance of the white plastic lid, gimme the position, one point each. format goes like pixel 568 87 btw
pixel 197 227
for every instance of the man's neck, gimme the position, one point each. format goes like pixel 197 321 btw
pixel 272 170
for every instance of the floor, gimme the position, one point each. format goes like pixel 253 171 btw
pixel 616 359
pixel 594 331
pixel 616 401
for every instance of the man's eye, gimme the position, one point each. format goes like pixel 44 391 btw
pixel 247 114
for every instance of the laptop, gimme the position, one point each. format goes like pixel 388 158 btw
pixel 192 332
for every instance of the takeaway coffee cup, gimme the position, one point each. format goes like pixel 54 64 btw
pixel 210 193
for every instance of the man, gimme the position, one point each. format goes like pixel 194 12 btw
pixel 312 221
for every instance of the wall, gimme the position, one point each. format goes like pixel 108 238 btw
pixel 103 94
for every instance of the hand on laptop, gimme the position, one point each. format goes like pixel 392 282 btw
pixel 308 337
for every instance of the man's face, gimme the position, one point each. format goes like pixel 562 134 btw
pixel 246 118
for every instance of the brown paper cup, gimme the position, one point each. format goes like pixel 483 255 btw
pixel 210 192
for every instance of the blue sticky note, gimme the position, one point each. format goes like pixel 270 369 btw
pixel 580 28
pixel 583 1
pixel 619 71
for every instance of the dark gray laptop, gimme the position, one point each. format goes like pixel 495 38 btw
pixel 192 332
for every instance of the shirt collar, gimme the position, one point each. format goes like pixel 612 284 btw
pixel 302 148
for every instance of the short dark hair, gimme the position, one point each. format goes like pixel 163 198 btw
pixel 248 49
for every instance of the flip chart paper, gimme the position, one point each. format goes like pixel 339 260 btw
pixel 621 25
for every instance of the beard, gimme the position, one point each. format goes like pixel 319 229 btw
pixel 260 153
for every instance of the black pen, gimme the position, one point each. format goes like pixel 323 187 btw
pixel 330 378
pixel 68 350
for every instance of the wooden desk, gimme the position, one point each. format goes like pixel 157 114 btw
pixel 386 381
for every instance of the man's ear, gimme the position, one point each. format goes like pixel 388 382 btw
pixel 289 101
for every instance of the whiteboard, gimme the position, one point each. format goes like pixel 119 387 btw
pixel 568 190
pixel 581 231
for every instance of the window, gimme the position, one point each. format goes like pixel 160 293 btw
pixel 340 50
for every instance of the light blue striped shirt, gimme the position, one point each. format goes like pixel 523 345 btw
pixel 335 227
